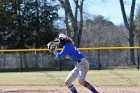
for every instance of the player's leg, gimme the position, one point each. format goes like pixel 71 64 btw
pixel 71 77
pixel 83 69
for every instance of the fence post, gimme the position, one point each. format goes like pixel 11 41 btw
pixel 138 66
pixel 60 64
pixel 20 61
pixel 99 63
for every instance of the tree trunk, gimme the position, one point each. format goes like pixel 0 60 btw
pixel 76 28
pixel 81 23
pixel 67 24
pixel 130 28
pixel 37 34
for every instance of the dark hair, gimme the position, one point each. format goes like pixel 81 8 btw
pixel 69 40
pixel 65 41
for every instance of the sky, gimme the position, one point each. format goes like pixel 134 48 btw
pixel 110 9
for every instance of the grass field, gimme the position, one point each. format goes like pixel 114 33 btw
pixel 109 78
pixel 129 77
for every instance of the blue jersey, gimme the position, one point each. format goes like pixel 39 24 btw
pixel 72 52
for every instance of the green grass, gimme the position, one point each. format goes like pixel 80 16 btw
pixel 55 78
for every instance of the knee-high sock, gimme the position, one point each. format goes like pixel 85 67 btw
pixel 90 87
pixel 72 89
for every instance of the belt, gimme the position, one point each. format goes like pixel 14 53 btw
pixel 79 61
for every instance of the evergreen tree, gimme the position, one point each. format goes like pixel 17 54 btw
pixel 27 24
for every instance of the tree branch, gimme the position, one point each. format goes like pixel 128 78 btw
pixel 124 14
pixel 132 12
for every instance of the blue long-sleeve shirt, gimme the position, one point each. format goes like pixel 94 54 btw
pixel 72 52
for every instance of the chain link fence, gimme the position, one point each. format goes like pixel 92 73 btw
pixel 44 61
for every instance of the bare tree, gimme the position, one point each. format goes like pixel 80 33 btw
pixel 130 27
pixel 137 33
pixel 76 24
pixel 100 32
pixel 137 26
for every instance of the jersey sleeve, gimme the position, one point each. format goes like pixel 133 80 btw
pixel 63 53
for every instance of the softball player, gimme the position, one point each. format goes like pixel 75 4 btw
pixel 81 64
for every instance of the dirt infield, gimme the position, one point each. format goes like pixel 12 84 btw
pixel 63 89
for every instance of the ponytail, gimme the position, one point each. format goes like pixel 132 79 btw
pixel 69 40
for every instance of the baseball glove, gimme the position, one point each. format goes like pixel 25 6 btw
pixel 53 44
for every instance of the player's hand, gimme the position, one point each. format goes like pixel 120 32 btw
pixel 52 45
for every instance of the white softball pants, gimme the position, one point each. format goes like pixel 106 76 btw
pixel 80 72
